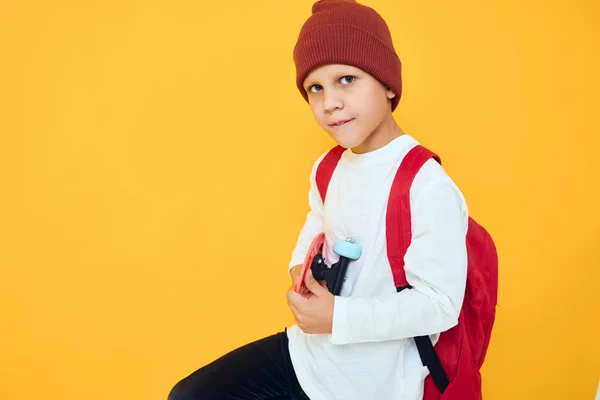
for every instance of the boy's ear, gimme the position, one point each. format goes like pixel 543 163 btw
pixel 390 93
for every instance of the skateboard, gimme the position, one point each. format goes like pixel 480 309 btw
pixel 332 275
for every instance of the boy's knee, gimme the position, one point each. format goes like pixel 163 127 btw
pixel 181 392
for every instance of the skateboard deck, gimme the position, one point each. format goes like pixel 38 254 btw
pixel 316 247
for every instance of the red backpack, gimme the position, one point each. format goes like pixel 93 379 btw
pixel 454 365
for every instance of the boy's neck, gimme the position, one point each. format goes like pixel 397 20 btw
pixel 387 131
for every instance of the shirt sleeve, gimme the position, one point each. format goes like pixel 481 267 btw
pixel 314 223
pixel 436 268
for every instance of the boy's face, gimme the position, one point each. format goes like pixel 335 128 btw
pixel 348 103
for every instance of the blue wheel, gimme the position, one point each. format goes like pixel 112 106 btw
pixel 347 248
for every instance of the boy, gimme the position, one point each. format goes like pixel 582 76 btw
pixel 357 345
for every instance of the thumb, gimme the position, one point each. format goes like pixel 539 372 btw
pixel 312 284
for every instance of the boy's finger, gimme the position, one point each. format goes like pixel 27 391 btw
pixel 294 309
pixel 294 298
pixel 311 284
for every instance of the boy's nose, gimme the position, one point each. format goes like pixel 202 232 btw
pixel 331 101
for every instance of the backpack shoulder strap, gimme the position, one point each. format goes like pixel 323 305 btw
pixel 326 168
pixel 399 235
pixel 398 220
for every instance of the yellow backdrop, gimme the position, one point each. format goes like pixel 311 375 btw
pixel 154 160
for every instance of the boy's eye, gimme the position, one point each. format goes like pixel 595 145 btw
pixel 344 80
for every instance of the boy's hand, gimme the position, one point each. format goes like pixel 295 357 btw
pixel 314 312
pixel 295 272
pixel 295 275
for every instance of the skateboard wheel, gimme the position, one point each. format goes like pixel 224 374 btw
pixel 347 249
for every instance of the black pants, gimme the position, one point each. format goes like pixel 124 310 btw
pixel 259 370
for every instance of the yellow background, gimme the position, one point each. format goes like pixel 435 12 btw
pixel 154 160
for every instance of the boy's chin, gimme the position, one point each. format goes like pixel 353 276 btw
pixel 347 141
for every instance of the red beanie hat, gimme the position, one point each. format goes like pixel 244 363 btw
pixel 345 32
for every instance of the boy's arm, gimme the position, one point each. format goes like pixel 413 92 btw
pixel 436 268
pixel 313 224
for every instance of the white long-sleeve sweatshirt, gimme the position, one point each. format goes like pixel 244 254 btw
pixel 370 353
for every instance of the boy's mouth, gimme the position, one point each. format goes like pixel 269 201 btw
pixel 341 122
